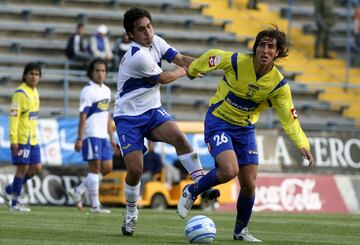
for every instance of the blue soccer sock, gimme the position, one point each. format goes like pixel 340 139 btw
pixel 244 209
pixel 17 187
pixel 206 182
pixel 26 178
pixel 9 187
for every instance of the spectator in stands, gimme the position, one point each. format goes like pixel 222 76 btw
pixel 77 48
pixel 100 44
pixel 252 4
pixel 357 26
pixel 95 129
pixel 325 20
pixel 24 146
pixel 250 85
pixel 122 45
pixel 138 113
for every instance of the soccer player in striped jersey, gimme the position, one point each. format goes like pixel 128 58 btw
pixel 138 112
pixel 25 148
pixel 251 84
pixel 95 134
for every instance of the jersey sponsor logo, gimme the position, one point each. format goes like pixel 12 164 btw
pixel 240 107
pixel 103 105
pixel 293 113
pixel 252 152
pixel 13 113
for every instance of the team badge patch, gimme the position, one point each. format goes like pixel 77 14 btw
pixel 13 113
pixel 214 60
pixel 293 113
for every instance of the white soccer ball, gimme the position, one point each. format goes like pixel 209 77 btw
pixel 200 229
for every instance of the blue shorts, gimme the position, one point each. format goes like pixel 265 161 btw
pixel 221 136
pixel 133 129
pixel 96 149
pixel 27 154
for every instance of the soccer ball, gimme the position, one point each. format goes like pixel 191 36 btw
pixel 200 229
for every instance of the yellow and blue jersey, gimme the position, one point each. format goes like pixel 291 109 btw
pixel 241 95
pixel 24 112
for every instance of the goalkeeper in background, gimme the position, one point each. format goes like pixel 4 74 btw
pixel 251 84
pixel 25 148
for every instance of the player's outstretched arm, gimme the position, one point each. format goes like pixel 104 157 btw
pixel 183 60
pixel 308 155
pixel 170 76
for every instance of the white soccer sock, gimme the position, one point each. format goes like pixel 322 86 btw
pixel 192 164
pixel 93 186
pixel 132 194
pixel 80 189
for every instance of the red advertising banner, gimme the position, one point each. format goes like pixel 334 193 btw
pixel 296 193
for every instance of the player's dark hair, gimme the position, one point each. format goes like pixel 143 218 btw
pixel 282 43
pixel 92 65
pixel 132 15
pixel 30 67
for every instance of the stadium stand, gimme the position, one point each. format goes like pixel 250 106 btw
pixel 38 30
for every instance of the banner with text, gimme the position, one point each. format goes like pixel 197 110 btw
pixel 334 151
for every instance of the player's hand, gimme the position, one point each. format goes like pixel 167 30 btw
pixel 14 149
pixel 78 145
pixel 180 71
pixel 191 77
pixel 307 155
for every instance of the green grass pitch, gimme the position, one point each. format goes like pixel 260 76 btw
pixel 66 225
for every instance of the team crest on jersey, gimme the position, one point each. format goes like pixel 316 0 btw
pixel 252 89
pixel 293 113
pixel 13 113
pixel 214 60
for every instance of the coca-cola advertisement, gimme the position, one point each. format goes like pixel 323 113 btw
pixel 298 193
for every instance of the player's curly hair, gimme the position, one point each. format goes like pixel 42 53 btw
pixel 30 67
pixel 282 43
pixel 132 15
pixel 92 64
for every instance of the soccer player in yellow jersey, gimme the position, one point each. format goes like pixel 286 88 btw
pixel 25 148
pixel 251 84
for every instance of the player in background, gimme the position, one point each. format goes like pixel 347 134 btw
pixel 251 84
pixel 138 112
pixel 25 148
pixel 94 131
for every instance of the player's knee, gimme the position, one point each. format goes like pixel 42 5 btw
pixel 248 189
pixel 135 171
pixel 228 174
pixel 106 170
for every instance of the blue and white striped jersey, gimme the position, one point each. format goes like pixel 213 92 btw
pixel 138 89
pixel 95 101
